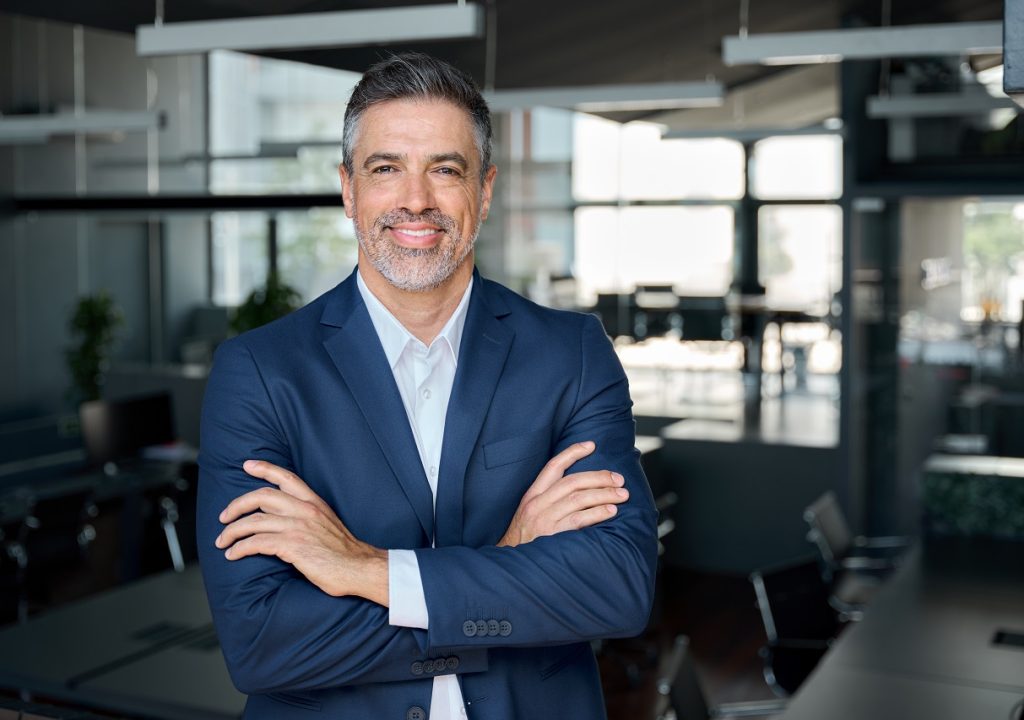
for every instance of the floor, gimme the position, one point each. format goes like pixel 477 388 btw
pixel 718 614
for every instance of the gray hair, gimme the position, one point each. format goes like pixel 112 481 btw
pixel 417 76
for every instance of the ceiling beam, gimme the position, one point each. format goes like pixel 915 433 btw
pixel 611 98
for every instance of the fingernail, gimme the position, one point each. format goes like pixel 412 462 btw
pixel 611 509
pixel 222 515
pixel 227 553
pixel 248 464
pixel 618 478
pixel 217 541
pixel 622 492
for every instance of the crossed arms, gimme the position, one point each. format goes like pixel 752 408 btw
pixel 306 608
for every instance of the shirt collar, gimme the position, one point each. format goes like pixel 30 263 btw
pixel 395 338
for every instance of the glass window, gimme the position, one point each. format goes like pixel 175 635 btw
pixel 800 255
pixel 993 257
pixel 288 115
pixel 241 257
pixel 797 167
pixel 315 250
pixel 688 247
pixel 656 169
pixel 595 158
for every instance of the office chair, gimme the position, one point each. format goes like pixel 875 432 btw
pixel 799 622
pixel 681 696
pixel 13 564
pixel 854 565
pixel 58 535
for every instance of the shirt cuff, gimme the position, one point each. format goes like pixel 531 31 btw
pixel 407 604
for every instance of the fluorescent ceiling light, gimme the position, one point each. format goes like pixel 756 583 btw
pixel 349 28
pixel 16 128
pixel 755 133
pixel 611 98
pixel 824 46
pixel 956 104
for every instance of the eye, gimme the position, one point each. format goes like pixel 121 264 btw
pixel 449 171
pixel 383 170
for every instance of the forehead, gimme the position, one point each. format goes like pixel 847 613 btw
pixel 411 126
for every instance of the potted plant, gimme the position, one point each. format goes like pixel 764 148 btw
pixel 93 324
pixel 275 299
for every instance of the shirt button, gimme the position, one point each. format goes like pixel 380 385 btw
pixel 426 393
pixel 433 470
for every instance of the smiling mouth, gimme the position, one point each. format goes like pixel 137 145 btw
pixel 417 233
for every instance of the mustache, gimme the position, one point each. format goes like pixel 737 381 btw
pixel 432 217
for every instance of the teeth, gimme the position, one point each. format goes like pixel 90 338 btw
pixel 416 233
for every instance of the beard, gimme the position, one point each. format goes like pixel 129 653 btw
pixel 415 269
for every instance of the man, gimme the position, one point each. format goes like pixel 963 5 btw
pixel 380 534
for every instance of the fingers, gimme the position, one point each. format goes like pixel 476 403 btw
pixel 556 466
pixel 251 525
pixel 590 479
pixel 288 481
pixel 268 500
pixel 586 518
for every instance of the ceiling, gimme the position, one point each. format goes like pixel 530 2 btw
pixel 542 43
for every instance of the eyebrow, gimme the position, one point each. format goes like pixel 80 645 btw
pixel 453 157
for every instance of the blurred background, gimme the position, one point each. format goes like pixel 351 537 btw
pixel 801 225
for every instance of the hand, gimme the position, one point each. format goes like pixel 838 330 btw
pixel 293 523
pixel 555 503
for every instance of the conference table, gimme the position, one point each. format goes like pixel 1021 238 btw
pixel 943 640
pixel 147 649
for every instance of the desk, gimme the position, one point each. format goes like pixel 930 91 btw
pixel 145 648
pixel 924 650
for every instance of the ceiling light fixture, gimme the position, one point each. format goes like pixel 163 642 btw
pixel 347 28
pixel 951 104
pixel 611 98
pixel 824 46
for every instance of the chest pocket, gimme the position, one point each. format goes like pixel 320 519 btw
pixel 520 447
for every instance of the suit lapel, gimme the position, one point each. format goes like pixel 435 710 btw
pixel 485 346
pixel 356 351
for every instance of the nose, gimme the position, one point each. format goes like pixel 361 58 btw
pixel 417 194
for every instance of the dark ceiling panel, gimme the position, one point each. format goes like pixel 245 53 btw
pixel 545 43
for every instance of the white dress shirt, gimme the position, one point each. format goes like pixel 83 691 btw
pixel 424 376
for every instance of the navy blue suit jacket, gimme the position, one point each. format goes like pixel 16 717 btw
pixel 314 392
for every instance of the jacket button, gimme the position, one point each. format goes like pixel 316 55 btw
pixel 505 628
pixel 428 666
pixel 481 627
pixel 452 663
pixel 469 628
pixel 493 628
pixel 417 668
pixel 415 713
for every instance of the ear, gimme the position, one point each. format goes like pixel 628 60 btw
pixel 347 194
pixel 488 190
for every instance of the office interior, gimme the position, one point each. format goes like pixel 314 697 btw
pixel 811 268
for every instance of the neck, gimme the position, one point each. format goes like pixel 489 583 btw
pixel 421 313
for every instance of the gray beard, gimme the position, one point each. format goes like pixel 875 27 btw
pixel 415 269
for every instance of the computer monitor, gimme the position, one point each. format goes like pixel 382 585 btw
pixel 114 431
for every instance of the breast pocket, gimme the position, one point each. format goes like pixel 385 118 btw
pixel 514 449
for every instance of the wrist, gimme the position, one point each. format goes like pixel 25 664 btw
pixel 372 577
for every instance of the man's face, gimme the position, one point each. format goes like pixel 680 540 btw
pixel 415 193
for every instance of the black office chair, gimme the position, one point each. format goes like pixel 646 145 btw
pixel 681 696
pixel 13 564
pixel 57 538
pixel 799 622
pixel 853 565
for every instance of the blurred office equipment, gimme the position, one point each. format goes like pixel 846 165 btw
pixel 117 431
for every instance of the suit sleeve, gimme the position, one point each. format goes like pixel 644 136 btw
pixel 278 631
pixel 579 585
